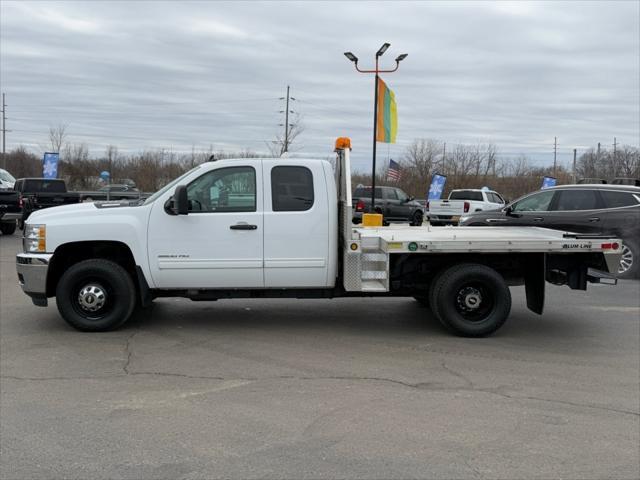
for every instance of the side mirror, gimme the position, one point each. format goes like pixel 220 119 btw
pixel 410 199
pixel 508 211
pixel 180 200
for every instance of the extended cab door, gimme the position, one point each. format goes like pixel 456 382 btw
pixel 296 225
pixel 219 244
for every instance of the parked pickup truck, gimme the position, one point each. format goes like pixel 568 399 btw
pixel 39 193
pixel 10 211
pixel 261 228
pixel 113 192
pixel 460 202
pixel 391 202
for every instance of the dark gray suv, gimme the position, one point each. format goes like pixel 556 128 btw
pixel 392 202
pixel 599 209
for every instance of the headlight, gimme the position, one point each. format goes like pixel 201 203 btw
pixel 463 219
pixel 35 239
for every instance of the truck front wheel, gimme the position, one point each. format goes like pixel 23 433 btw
pixel 96 295
pixel 471 300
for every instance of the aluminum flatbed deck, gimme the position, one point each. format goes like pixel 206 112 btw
pixel 406 239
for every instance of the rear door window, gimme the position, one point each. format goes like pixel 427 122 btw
pixel 570 200
pixel 619 199
pixel 291 189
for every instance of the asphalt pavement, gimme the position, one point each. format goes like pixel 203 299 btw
pixel 348 388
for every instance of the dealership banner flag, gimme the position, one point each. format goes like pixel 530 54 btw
pixel 50 165
pixel 548 182
pixel 437 187
pixel 387 121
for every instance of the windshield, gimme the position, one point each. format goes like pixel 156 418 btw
pixel 6 176
pixel 168 186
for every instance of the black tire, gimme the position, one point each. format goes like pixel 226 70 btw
pixel 8 228
pixel 630 261
pixel 471 300
pixel 417 218
pixel 422 300
pixel 20 224
pixel 102 281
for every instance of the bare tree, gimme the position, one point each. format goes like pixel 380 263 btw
pixel 57 137
pixel 280 145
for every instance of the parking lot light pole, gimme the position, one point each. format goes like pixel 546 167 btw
pixel 377 70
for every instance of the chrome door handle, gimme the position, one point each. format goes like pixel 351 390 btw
pixel 243 226
pixel 538 219
pixel 594 219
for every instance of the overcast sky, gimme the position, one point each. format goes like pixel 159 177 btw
pixel 177 74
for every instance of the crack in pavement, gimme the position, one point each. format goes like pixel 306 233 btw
pixel 424 386
pixel 129 352
pixel 457 374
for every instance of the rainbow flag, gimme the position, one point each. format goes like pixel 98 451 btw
pixel 387 127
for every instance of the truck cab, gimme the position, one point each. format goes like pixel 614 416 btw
pixel 255 223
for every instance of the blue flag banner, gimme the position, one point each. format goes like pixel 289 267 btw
pixel 50 165
pixel 437 187
pixel 548 182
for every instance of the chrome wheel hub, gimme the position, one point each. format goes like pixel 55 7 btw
pixel 626 261
pixel 469 298
pixel 92 298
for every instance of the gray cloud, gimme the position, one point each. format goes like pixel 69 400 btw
pixel 177 74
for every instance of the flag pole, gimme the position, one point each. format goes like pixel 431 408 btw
pixel 354 59
pixel 375 135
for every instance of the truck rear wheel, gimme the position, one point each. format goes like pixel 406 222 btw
pixel 96 295
pixel 471 300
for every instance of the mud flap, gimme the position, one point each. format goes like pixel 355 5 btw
pixel 534 279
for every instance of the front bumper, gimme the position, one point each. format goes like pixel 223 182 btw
pixel 32 275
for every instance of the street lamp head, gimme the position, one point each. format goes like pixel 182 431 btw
pixel 401 57
pixel 383 49
pixel 351 57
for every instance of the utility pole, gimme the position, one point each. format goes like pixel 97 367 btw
pixel 615 163
pixel 575 153
pixel 555 152
pixel 598 154
pixel 444 157
pixel 287 125
pixel 4 129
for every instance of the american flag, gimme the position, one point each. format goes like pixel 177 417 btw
pixel 394 173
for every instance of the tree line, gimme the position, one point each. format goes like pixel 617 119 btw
pixel 466 166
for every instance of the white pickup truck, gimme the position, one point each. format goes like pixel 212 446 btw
pixel 258 228
pixel 461 202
